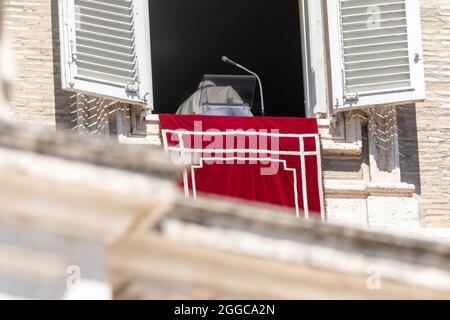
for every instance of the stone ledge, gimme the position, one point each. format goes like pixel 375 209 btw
pixel 341 149
pixel 391 189
pixel 360 189
pixel 323 123
pixel 151 140
pixel 152 118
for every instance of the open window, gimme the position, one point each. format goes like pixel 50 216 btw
pixel 190 37
pixel 105 49
pixel 375 52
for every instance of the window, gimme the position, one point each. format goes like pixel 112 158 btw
pixel 375 52
pixel 105 48
pixel 189 37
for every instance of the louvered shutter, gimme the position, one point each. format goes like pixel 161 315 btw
pixel 105 48
pixel 376 52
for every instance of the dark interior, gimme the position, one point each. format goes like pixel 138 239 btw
pixel 190 36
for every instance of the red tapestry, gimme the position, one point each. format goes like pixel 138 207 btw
pixel 274 178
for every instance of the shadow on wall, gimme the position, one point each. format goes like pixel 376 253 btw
pixel 409 146
pixel 65 102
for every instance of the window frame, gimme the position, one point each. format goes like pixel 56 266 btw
pixel 313 57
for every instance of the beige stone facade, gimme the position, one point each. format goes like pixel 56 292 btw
pixel 36 95
pixel 432 118
pixel 419 140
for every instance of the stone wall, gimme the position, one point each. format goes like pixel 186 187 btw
pixel 36 95
pixel 425 130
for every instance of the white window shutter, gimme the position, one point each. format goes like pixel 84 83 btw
pixel 375 52
pixel 105 49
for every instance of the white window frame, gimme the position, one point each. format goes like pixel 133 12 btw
pixel 144 96
pixel 312 22
pixel 417 91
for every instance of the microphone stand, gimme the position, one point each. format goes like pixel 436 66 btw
pixel 229 61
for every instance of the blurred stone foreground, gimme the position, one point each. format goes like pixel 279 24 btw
pixel 82 218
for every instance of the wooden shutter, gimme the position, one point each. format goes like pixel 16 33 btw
pixel 105 48
pixel 376 52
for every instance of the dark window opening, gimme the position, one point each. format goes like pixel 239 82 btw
pixel 189 38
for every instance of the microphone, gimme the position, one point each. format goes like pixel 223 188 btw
pixel 226 60
pixel 233 63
